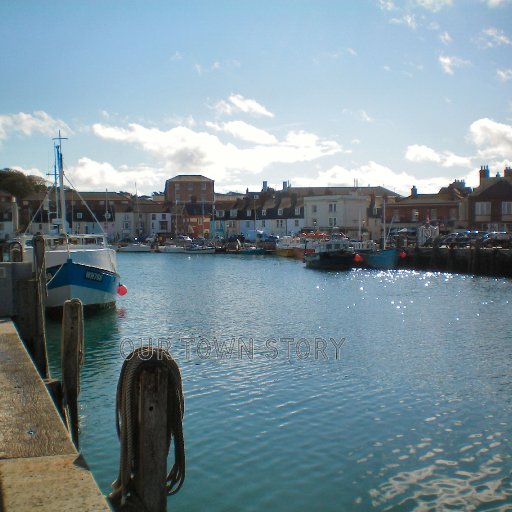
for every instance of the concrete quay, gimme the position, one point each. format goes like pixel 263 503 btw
pixel 40 468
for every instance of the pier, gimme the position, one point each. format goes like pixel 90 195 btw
pixel 39 465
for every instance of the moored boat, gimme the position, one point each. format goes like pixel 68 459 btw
pixel 80 266
pixel 332 254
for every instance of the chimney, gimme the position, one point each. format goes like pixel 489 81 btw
pixel 484 173
pixel 414 191
pixel 15 218
pixel 265 186
pixel 507 172
pixel 285 186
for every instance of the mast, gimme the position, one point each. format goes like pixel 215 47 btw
pixel 384 223
pixel 60 168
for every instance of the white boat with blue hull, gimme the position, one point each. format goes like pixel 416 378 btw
pixel 80 266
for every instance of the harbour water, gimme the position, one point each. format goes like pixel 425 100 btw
pixel 307 390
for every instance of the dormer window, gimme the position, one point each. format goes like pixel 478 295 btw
pixel 264 213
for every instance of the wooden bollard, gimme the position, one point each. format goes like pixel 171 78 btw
pixel 72 353
pixel 149 411
pixel 149 481
pixel 30 310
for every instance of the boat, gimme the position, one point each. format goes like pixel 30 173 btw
pixel 336 253
pixel 381 259
pixel 135 247
pixel 285 246
pixel 172 249
pixel 200 249
pixel 80 266
pixel 252 250
pixel 305 244
pixel 384 259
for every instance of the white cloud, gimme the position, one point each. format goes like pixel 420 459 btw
pixel 249 133
pixel 408 20
pixel 27 124
pixel 450 63
pixel 496 3
pixel 89 175
pixel 418 153
pixel 237 103
pixel 183 150
pixel 445 38
pixel 434 5
pixel 363 115
pixel 493 139
pixel 372 174
pixel 492 38
pixel 504 75
pixel 386 5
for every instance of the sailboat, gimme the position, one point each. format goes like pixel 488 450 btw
pixel 79 266
pixel 385 258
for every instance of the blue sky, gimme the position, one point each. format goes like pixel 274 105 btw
pixel 392 93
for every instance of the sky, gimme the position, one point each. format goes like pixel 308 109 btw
pixel 312 92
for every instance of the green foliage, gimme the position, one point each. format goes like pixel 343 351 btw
pixel 19 184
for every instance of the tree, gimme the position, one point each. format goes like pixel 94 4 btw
pixel 19 184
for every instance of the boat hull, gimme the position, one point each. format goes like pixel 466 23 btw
pixel 95 287
pixel 386 259
pixel 336 260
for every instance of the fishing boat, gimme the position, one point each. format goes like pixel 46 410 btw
pixel 381 259
pixel 251 250
pixel 200 249
pixel 336 253
pixel 80 266
pixel 285 246
pixel 135 247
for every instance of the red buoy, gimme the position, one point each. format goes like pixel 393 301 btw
pixel 122 289
pixel 403 255
pixel 358 258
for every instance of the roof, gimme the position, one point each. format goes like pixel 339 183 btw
pixel 190 177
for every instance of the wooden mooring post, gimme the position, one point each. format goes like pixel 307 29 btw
pixel 30 310
pixel 72 356
pixel 149 415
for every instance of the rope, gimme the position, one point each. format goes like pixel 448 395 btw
pixel 127 411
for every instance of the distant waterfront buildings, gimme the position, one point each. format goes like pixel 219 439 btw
pixel 190 206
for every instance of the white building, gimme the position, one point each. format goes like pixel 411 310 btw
pixel 344 211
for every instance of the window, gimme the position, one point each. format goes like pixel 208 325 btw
pixel 126 225
pixel 78 215
pixel 190 186
pixel 332 221
pixel 415 214
pixel 396 216
pixel 219 213
pixel 332 207
pixel 433 214
pixel 247 224
pixel 264 213
pixel 203 186
pixel 177 187
pixel 178 199
pixel 231 223
pixel 280 211
pixel 314 208
pixel 164 216
pixel 248 213
pixel 296 223
pixel 263 224
pixel 506 208
pixel 483 208
pixel 153 216
pixel 1 226
pixel 280 223
pixel 126 216
pixel 315 222
pixel 233 212
pixel 297 211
